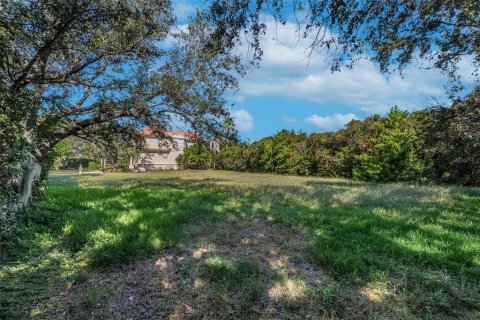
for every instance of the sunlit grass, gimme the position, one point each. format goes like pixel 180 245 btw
pixel 407 247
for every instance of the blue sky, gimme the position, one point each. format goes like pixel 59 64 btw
pixel 290 91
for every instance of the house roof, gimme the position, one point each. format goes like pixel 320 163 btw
pixel 188 135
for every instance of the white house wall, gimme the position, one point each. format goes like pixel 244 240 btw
pixel 155 160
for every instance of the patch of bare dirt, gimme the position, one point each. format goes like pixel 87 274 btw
pixel 171 285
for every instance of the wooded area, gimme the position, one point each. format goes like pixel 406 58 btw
pixel 440 144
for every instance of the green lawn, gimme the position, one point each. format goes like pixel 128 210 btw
pixel 216 244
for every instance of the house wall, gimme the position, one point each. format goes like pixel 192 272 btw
pixel 161 160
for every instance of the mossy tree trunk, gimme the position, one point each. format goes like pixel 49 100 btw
pixel 30 176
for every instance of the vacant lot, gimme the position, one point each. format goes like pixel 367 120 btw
pixel 213 244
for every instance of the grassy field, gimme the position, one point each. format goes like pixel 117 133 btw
pixel 226 245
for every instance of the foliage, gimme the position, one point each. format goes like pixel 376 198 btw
pixel 229 132
pixel 285 153
pixel 284 143
pixel 100 70
pixel 94 165
pixel 356 140
pixel 392 156
pixel 231 158
pixel 62 150
pixel 74 163
pixel 114 150
pixel 416 248
pixel 451 139
pixel 392 34
pixel 439 144
pixel 13 146
pixel 196 156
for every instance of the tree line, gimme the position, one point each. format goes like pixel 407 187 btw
pixel 440 144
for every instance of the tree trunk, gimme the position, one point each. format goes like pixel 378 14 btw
pixel 31 174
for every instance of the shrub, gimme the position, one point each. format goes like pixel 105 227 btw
pixel 232 158
pixel 392 156
pixel 195 157
pixel 93 165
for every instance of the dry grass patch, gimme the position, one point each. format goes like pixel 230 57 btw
pixel 235 269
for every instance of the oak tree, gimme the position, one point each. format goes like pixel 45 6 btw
pixel 98 69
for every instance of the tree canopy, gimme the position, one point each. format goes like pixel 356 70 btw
pixel 392 33
pixel 102 69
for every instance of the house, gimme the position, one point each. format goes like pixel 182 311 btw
pixel 161 154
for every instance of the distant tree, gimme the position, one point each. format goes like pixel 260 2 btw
pixel 393 155
pixel 284 146
pixel 356 140
pixel 99 70
pixel 252 154
pixel 61 151
pixel 304 157
pixel 229 131
pixel 267 158
pixel 450 137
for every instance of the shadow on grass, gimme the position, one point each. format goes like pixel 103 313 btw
pixel 238 269
pixel 420 242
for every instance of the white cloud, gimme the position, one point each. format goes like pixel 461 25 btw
pixel 238 98
pixel 243 120
pixel 286 72
pixel 288 119
pixel 183 9
pixel 331 123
